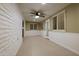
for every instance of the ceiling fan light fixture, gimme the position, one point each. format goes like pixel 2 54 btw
pixel 36 17
pixel 38 13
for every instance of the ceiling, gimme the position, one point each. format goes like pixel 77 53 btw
pixel 49 9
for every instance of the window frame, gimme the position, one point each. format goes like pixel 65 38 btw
pixel 33 26
pixel 56 23
pixel 60 30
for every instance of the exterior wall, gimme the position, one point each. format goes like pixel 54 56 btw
pixel 10 29
pixel 72 14
pixel 27 26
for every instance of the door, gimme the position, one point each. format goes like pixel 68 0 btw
pixel 46 28
pixel 22 28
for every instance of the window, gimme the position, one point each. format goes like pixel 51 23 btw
pixel 33 26
pixel 61 21
pixel 58 21
pixel 55 23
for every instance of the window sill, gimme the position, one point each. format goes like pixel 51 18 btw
pixel 58 30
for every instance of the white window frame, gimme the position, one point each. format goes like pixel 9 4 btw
pixel 64 30
pixel 33 26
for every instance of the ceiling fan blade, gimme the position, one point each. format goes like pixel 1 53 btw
pixel 39 13
pixel 32 13
pixel 42 16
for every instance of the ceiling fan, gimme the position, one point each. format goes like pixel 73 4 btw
pixel 37 14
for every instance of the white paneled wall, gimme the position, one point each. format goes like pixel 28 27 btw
pixel 65 39
pixel 10 29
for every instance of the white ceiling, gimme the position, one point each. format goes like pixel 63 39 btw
pixel 48 9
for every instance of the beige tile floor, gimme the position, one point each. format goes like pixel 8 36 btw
pixel 38 46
